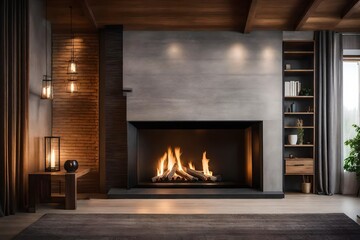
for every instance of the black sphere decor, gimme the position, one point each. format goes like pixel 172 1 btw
pixel 71 165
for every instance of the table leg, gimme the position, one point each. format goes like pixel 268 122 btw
pixel 32 193
pixel 70 191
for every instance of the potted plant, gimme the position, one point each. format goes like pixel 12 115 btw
pixel 300 131
pixel 305 92
pixel 306 184
pixel 352 162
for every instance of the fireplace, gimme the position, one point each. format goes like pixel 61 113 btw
pixel 193 154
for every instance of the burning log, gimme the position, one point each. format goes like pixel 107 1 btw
pixel 165 174
pixel 195 173
pixel 172 172
pixel 176 177
pixel 155 179
pixel 186 175
pixel 212 178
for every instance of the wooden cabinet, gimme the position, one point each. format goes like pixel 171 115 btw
pixel 299 166
pixel 299 105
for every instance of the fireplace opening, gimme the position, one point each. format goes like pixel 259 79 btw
pixel 195 154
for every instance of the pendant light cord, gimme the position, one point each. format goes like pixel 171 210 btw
pixel 72 36
pixel 46 45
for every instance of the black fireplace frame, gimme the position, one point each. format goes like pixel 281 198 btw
pixel 133 138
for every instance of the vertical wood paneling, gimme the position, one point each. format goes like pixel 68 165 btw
pixel 76 117
pixel 114 107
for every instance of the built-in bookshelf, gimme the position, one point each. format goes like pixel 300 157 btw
pixel 299 109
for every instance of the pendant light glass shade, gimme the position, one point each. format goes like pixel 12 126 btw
pixel 72 68
pixel 47 88
pixel 72 85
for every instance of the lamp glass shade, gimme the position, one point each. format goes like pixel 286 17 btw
pixel 72 67
pixel 72 86
pixel 47 88
pixel 52 154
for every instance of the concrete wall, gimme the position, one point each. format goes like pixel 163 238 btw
pixel 209 76
pixel 39 110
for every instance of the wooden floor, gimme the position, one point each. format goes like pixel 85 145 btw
pixel 292 203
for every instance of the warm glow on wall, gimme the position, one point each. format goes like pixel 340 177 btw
pixel 268 53
pixel 175 50
pixel 237 52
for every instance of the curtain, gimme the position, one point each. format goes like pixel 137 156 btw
pixel 329 102
pixel 13 105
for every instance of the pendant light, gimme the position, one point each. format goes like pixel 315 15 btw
pixel 72 85
pixel 47 87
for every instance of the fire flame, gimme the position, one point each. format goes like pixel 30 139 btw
pixel 205 165
pixel 191 166
pixel 178 154
pixel 169 159
pixel 160 169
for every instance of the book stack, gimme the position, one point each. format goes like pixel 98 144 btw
pixel 292 88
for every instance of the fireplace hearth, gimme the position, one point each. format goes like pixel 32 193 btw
pixel 195 154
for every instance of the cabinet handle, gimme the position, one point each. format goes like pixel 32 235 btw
pixel 299 165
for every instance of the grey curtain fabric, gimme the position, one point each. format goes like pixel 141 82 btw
pixel 329 102
pixel 13 105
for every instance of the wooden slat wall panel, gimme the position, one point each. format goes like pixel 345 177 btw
pixel 114 104
pixel 76 117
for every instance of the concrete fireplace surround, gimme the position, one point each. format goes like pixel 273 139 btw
pixel 209 76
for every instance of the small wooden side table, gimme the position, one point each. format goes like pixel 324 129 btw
pixel 40 188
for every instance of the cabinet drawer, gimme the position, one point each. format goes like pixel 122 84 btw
pixel 299 166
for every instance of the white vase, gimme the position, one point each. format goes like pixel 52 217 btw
pixel 292 139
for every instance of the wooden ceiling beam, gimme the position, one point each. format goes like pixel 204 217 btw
pixel 88 12
pixel 311 7
pixel 251 16
pixel 350 9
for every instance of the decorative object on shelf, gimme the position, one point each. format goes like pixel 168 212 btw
pixel 287 66
pixel 47 87
pixel 52 154
pixel 292 138
pixel 293 107
pixel 306 185
pixel 300 131
pixel 71 165
pixel 72 85
pixel 352 162
pixel 305 92
pixel 291 156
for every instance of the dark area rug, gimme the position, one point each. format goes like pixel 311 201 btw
pixel 194 226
